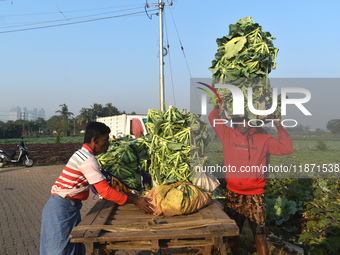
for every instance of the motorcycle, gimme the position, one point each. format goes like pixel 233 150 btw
pixel 8 156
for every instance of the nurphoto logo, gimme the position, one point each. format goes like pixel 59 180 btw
pixel 239 100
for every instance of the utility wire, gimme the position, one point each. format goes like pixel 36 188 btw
pixel 61 20
pixel 182 48
pixel 61 12
pixel 85 10
pixel 75 22
pixel 168 47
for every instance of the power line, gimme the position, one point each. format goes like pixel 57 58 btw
pixel 180 42
pixel 60 20
pixel 185 58
pixel 47 13
pixel 75 22
pixel 168 48
pixel 182 48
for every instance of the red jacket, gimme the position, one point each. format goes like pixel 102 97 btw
pixel 246 155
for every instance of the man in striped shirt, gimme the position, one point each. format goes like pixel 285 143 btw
pixel 62 211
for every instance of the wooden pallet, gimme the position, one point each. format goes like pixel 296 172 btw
pixel 113 227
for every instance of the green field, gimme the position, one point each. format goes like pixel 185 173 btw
pixel 308 145
pixel 44 140
pixel 306 151
pixel 307 157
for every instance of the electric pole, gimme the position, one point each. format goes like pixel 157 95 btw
pixel 161 62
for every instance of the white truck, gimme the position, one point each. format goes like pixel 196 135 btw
pixel 124 124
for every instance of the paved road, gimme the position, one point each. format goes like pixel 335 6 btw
pixel 24 192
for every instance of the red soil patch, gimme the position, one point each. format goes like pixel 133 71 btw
pixel 48 154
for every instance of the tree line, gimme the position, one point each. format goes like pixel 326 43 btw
pixel 63 123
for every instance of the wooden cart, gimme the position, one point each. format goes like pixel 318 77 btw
pixel 109 226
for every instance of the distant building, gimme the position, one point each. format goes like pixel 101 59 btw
pixel 17 113
pixel 24 114
pixel 14 113
pixel 33 115
pixel 41 113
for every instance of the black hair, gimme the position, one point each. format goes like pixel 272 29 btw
pixel 95 129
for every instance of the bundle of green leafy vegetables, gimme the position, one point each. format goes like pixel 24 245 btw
pixel 176 142
pixel 244 58
pixel 125 158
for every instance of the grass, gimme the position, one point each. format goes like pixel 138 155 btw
pixel 44 140
pixel 307 157
pixel 300 145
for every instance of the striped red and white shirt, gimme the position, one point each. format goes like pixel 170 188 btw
pixel 80 172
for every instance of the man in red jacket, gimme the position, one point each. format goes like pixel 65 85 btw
pixel 246 150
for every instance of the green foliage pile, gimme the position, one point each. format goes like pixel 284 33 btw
pixel 199 140
pixel 246 52
pixel 164 152
pixel 316 223
pixel 244 58
pixel 124 159
pixel 169 145
pixel 322 215
pixel 176 142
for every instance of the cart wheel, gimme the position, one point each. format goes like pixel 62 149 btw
pixel 2 163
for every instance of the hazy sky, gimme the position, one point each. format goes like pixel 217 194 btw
pixel 96 52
